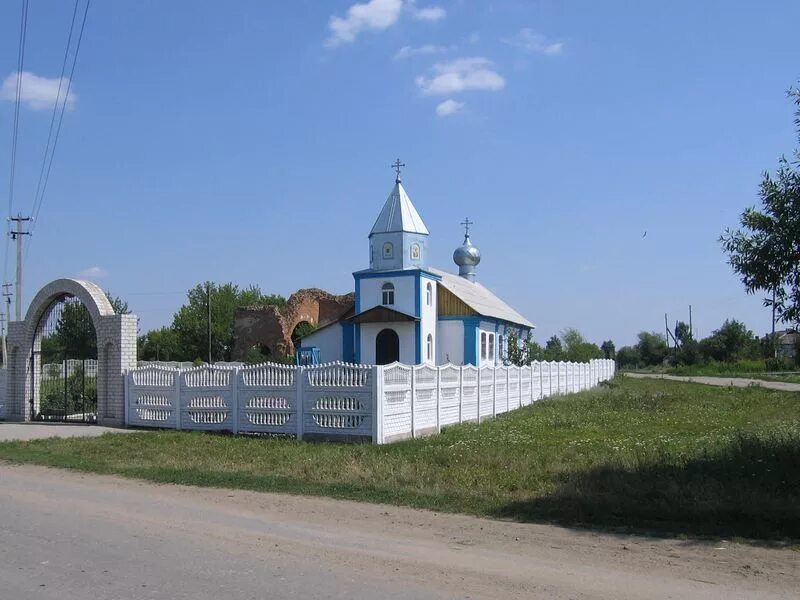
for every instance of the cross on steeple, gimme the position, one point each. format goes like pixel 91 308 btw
pixel 396 165
pixel 466 223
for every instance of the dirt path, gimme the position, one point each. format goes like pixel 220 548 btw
pixel 722 381
pixel 68 535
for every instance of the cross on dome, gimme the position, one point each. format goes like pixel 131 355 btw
pixel 396 165
pixel 466 223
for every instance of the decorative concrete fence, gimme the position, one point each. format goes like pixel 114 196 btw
pixel 344 401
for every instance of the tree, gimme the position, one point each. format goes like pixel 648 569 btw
pixel 553 350
pixel 628 356
pixel 534 350
pixel 652 348
pixel 160 344
pixel 191 321
pixel 577 349
pixel 609 352
pixel 730 342
pixel 516 353
pixel 765 252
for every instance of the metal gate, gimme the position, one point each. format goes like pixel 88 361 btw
pixel 64 364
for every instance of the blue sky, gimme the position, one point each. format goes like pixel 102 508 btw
pixel 251 142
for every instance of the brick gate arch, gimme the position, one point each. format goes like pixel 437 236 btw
pixel 116 350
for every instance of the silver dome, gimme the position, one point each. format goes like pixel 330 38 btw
pixel 467 254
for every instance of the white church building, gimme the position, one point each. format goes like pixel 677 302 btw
pixel 410 312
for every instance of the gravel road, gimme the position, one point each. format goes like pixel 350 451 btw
pixel 722 381
pixel 91 537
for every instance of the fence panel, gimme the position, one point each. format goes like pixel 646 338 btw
pixel 267 399
pixel 513 399
pixel 396 402
pixel 425 383
pixel 526 385
pixel 337 399
pixel 449 395
pixel 152 397
pixel 207 396
pixel 501 390
pixel 486 391
pixel 469 393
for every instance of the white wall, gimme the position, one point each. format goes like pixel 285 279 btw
pixel 329 342
pixel 451 342
pixel 404 297
pixel 405 331
pixel 429 318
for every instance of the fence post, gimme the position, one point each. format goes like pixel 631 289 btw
pixel 494 392
pixel 235 400
pixel 178 407
pixel 479 396
pixel 438 399
pixel 377 404
pixel 461 394
pixel 299 400
pixel 126 415
pixel 413 402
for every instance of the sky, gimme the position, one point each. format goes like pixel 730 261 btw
pixel 600 148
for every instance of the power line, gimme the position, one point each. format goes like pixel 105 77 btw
pixel 38 201
pixel 23 34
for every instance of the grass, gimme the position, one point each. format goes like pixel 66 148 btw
pixel 637 455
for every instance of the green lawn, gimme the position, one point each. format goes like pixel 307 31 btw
pixel 639 455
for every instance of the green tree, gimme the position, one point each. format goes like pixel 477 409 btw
pixel 731 342
pixel 553 349
pixel 534 350
pixel 190 323
pixel 516 352
pixel 577 349
pixel 608 350
pixel 765 252
pixel 628 357
pixel 160 344
pixel 652 348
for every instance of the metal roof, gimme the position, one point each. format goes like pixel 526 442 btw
pixel 399 214
pixel 480 299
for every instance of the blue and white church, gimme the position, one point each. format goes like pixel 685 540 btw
pixel 408 311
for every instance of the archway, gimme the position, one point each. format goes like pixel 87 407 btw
pixel 29 343
pixel 302 328
pixel 387 347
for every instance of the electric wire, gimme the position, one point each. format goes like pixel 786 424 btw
pixel 39 201
pixel 23 33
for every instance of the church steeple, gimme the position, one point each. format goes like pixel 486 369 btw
pixel 398 239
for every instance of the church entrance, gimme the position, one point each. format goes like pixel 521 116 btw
pixel 387 347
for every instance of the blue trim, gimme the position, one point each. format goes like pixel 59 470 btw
pixel 357 329
pixel 369 274
pixel 470 342
pixel 418 313
pixel 348 341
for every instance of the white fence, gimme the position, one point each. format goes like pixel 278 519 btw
pixel 339 400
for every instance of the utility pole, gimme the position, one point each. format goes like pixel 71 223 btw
pixel 3 335
pixel 666 329
pixel 691 331
pixel 17 235
pixel 6 316
pixel 774 345
pixel 208 304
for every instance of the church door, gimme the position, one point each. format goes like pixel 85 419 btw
pixel 387 347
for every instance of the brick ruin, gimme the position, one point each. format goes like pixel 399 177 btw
pixel 270 328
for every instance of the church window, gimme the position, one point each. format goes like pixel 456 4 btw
pixel 483 345
pixel 415 252
pixel 430 347
pixel 387 293
pixel 491 346
pixel 429 294
pixel 388 250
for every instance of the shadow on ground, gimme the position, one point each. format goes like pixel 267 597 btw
pixel 750 489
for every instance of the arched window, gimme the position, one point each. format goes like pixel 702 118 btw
pixel 388 250
pixel 430 347
pixel 387 293
pixel 483 345
pixel 429 294
pixel 491 347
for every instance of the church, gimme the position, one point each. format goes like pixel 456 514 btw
pixel 408 311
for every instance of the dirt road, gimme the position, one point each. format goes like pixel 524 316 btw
pixel 722 381
pixel 89 537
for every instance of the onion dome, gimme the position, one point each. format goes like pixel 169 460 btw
pixel 467 256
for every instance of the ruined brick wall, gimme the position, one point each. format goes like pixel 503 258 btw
pixel 272 327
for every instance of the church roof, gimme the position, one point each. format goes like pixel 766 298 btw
pixel 480 299
pixel 399 214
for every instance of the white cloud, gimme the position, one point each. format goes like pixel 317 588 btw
pixel 409 51
pixel 535 43
pixel 93 273
pixel 375 15
pixel 449 107
pixel 37 93
pixel 428 13
pixel 460 75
